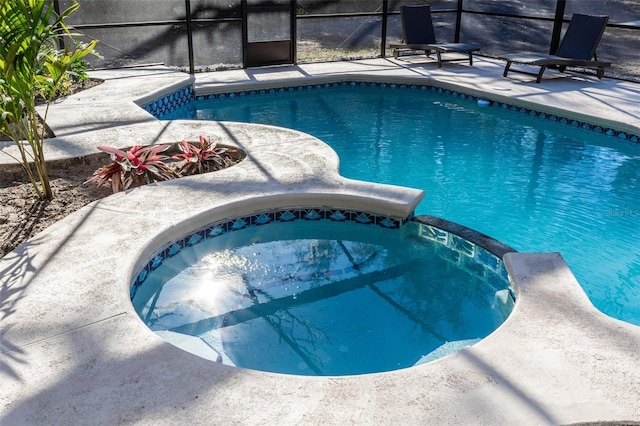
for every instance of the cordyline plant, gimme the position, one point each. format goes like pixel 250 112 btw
pixel 137 166
pixel 29 30
pixel 201 159
pixel 141 165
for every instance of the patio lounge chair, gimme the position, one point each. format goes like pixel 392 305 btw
pixel 578 48
pixel 418 34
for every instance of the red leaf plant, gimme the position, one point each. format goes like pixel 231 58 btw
pixel 137 166
pixel 207 157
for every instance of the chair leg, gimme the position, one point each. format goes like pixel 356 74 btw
pixel 542 69
pixel 470 59
pixel 506 69
pixel 439 59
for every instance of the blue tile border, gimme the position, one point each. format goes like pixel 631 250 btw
pixel 462 253
pixel 283 215
pixel 168 103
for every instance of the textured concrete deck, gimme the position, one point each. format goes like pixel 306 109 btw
pixel 73 351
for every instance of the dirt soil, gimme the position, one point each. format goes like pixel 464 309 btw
pixel 23 215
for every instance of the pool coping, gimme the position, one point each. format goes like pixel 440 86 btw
pixel 550 112
pixel 74 350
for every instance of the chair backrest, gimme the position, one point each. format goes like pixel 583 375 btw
pixel 417 26
pixel 582 37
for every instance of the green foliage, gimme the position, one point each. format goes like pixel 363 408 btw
pixel 75 73
pixel 28 35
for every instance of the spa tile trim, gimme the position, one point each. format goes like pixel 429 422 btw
pixel 284 215
pixel 470 257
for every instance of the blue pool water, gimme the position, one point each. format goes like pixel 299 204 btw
pixel 326 298
pixel 531 183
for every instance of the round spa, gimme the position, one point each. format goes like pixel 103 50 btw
pixel 319 291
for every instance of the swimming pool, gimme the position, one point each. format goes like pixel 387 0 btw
pixel 535 184
pixel 323 292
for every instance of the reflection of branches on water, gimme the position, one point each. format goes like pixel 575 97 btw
pixel 275 304
pixel 416 319
pixel 322 262
pixel 314 333
pixel 282 320
pixel 321 255
pixel 436 297
pixel 156 320
pixel 177 316
pixel 305 345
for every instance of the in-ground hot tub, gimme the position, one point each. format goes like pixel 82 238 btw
pixel 319 291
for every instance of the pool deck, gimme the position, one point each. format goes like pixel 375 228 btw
pixel 73 351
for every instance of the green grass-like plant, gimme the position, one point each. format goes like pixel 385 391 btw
pixel 31 66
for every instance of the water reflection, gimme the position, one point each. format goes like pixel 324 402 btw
pixel 324 298
pixel 534 184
